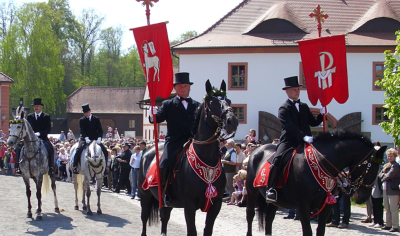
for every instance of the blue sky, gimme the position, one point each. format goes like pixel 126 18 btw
pixel 182 15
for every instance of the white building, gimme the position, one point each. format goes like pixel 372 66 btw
pixel 254 47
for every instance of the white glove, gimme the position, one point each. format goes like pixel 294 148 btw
pixel 98 140
pixel 155 109
pixel 308 139
pixel 324 110
pixel 87 140
pixel 37 134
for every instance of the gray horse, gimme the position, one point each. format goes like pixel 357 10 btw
pixel 91 165
pixel 33 161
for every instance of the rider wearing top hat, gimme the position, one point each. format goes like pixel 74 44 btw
pixel 41 125
pixel 179 112
pixel 90 128
pixel 296 119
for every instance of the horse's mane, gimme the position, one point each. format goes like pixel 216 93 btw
pixel 343 134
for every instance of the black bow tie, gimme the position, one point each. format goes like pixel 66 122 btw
pixel 298 101
pixel 184 99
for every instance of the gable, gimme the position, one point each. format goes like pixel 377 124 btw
pixel 276 26
pixel 379 25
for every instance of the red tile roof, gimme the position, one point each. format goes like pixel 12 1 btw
pixel 345 17
pixel 106 100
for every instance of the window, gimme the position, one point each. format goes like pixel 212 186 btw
pixel 240 111
pixel 302 78
pixel 377 74
pixel 131 124
pixel 237 76
pixel 378 115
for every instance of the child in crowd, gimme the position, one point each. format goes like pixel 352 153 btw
pixel 11 159
pixel 238 184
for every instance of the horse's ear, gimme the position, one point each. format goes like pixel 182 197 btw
pixel 380 152
pixel 223 86
pixel 22 113
pixel 208 86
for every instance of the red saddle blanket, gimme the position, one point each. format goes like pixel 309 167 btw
pixel 261 179
pixel 152 177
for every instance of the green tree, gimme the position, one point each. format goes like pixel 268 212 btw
pixel 111 47
pixel 31 52
pixel 391 84
pixel 183 37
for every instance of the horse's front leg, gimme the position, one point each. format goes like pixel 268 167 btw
pixel 252 195
pixel 28 195
pixel 211 216
pixel 99 182
pixel 322 217
pixel 165 215
pixel 85 185
pixel 53 187
pixel 39 182
pixel 270 213
pixel 304 214
pixel 89 211
pixel 190 217
pixel 74 178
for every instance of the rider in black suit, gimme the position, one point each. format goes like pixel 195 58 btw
pixel 296 119
pixel 179 112
pixel 41 125
pixel 90 128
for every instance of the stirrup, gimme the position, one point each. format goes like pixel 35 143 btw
pixel 75 170
pixel 166 203
pixel 271 195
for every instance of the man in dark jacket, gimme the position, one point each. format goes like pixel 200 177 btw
pixel 41 125
pixel 123 161
pixel 179 112
pixel 90 128
pixel 296 119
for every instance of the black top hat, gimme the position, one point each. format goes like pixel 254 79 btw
pixel 291 82
pixel 85 107
pixel 182 78
pixel 37 101
pixel 126 145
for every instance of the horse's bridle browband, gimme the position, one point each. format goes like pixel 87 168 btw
pixel 354 185
pixel 217 119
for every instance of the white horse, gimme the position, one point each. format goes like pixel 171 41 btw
pixel 33 161
pixel 91 165
pixel 151 62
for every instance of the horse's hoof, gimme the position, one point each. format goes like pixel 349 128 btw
pixel 57 210
pixel 99 212
pixel 89 213
pixel 84 208
pixel 29 215
pixel 39 218
pixel 76 208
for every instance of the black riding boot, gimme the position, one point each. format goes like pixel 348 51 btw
pixel 164 181
pixel 271 195
pixel 77 158
pixel 105 152
pixel 51 160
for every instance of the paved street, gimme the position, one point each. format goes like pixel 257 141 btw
pixel 121 215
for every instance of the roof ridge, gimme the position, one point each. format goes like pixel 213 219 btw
pixel 215 24
pixel 8 77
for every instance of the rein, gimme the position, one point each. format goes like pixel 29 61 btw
pixel 217 119
pixel 354 185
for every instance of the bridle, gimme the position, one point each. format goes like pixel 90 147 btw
pixel 212 117
pixel 359 181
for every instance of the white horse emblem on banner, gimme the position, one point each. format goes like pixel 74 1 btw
pixel 151 62
pixel 325 76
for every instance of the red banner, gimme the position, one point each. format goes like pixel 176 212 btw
pixel 325 69
pixel 154 51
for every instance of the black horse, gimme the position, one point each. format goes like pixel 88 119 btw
pixel 187 190
pixel 337 149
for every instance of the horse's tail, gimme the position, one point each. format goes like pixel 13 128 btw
pixel 262 208
pixel 153 217
pixel 46 185
pixel 79 181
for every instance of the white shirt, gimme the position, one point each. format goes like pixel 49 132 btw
pixel 37 115
pixel 296 104
pixel 240 158
pixel 184 103
pixel 136 162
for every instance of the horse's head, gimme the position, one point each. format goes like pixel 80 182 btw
pixel 95 155
pixel 18 127
pixel 368 170
pixel 217 107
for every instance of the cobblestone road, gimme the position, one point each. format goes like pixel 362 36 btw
pixel 121 215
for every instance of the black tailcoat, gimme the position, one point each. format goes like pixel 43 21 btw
pixel 295 124
pixel 179 127
pixel 41 125
pixel 91 129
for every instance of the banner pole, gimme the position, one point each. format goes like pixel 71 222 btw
pixel 155 133
pixel 324 123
